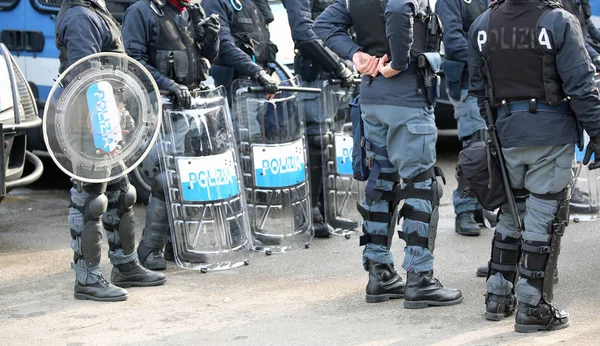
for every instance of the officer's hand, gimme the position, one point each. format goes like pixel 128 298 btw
pixel 593 147
pixel 182 94
pixel 345 74
pixel 267 82
pixel 596 62
pixel 197 14
pixel 211 29
pixel 385 67
pixel 365 63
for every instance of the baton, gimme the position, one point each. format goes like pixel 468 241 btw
pixel 510 197
pixel 286 88
pixel 205 20
pixel 339 81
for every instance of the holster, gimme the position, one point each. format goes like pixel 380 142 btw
pixel 429 66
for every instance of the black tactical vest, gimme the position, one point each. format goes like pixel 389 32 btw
pixel 249 29
pixel 318 6
pixel 474 10
pixel 116 43
pixel 176 53
pixel 368 20
pixel 515 37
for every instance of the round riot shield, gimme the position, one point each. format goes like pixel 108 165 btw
pixel 203 185
pixel 342 191
pixel 272 146
pixel 102 117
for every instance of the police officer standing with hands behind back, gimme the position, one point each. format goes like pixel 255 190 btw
pixel 528 61
pixel 171 41
pixel 397 102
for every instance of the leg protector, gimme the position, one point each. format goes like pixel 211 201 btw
pixel 540 259
pixel 316 169
pixel 119 222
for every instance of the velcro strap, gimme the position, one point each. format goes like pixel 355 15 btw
pixel 530 274
pixel 381 163
pixel 498 299
pixel 559 196
pixel 409 212
pixel 373 239
pixel 541 250
pixel 368 145
pixel 375 216
pixel 401 194
pixel 503 267
pixel 520 192
pixel 506 246
pixel 414 239
pixel 393 177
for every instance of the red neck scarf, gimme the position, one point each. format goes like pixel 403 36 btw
pixel 177 6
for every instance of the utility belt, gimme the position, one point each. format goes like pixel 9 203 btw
pixel 531 106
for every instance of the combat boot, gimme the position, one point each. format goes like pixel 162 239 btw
pixel 384 283
pixel 423 290
pixel 133 274
pixel 497 307
pixel 543 317
pixel 483 271
pixel 486 218
pixel 101 291
pixel 465 224
pixel 321 229
pixel 155 260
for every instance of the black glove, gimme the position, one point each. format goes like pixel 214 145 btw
pixel 211 30
pixel 266 81
pixel 345 74
pixel 197 14
pixel 593 147
pixel 182 94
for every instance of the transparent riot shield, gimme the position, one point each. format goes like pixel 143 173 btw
pixel 272 146
pixel 203 187
pixel 102 116
pixel 584 190
pixel 342 191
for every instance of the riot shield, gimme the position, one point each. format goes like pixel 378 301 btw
pixel 203 187
pixel 102 117
pixel 272 146
pixel 342 191
pixel 584 190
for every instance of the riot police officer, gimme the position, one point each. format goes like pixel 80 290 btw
pixel 457 16
pixel 577 8
pixel 245 48
pixel 398 93
pixel 170 41
pixel 539 86
pixel 85 27
pixel 314 63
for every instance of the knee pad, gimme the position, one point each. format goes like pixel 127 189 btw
pixel 130 197
pixel 95 207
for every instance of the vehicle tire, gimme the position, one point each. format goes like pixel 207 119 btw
pixel 141 177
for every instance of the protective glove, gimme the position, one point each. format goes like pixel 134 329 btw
pixel 197 14
pixel 593 147
pixel 266 81
pixel 345 74
pixel 596 62
pixel 182 94
pixel 211 30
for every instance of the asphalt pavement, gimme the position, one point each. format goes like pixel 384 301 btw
pixel 314 296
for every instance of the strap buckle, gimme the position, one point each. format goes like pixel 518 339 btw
pixel 504 105
pixel 533 106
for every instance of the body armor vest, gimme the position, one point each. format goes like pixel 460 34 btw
pixel 515 36
pixel 318 6
pixel 368 20
pixel 116 44
pixel 249 29
pixel 176 53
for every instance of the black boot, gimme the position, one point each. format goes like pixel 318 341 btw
pixel 482 271
pixel 155 261
pixel 384 283
pixel 133 274
pixel 497 307
pixel 465 224
pixel 486 218
pixel 322 229
pixel 101 291
pixel 531 319
pixel 423 290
